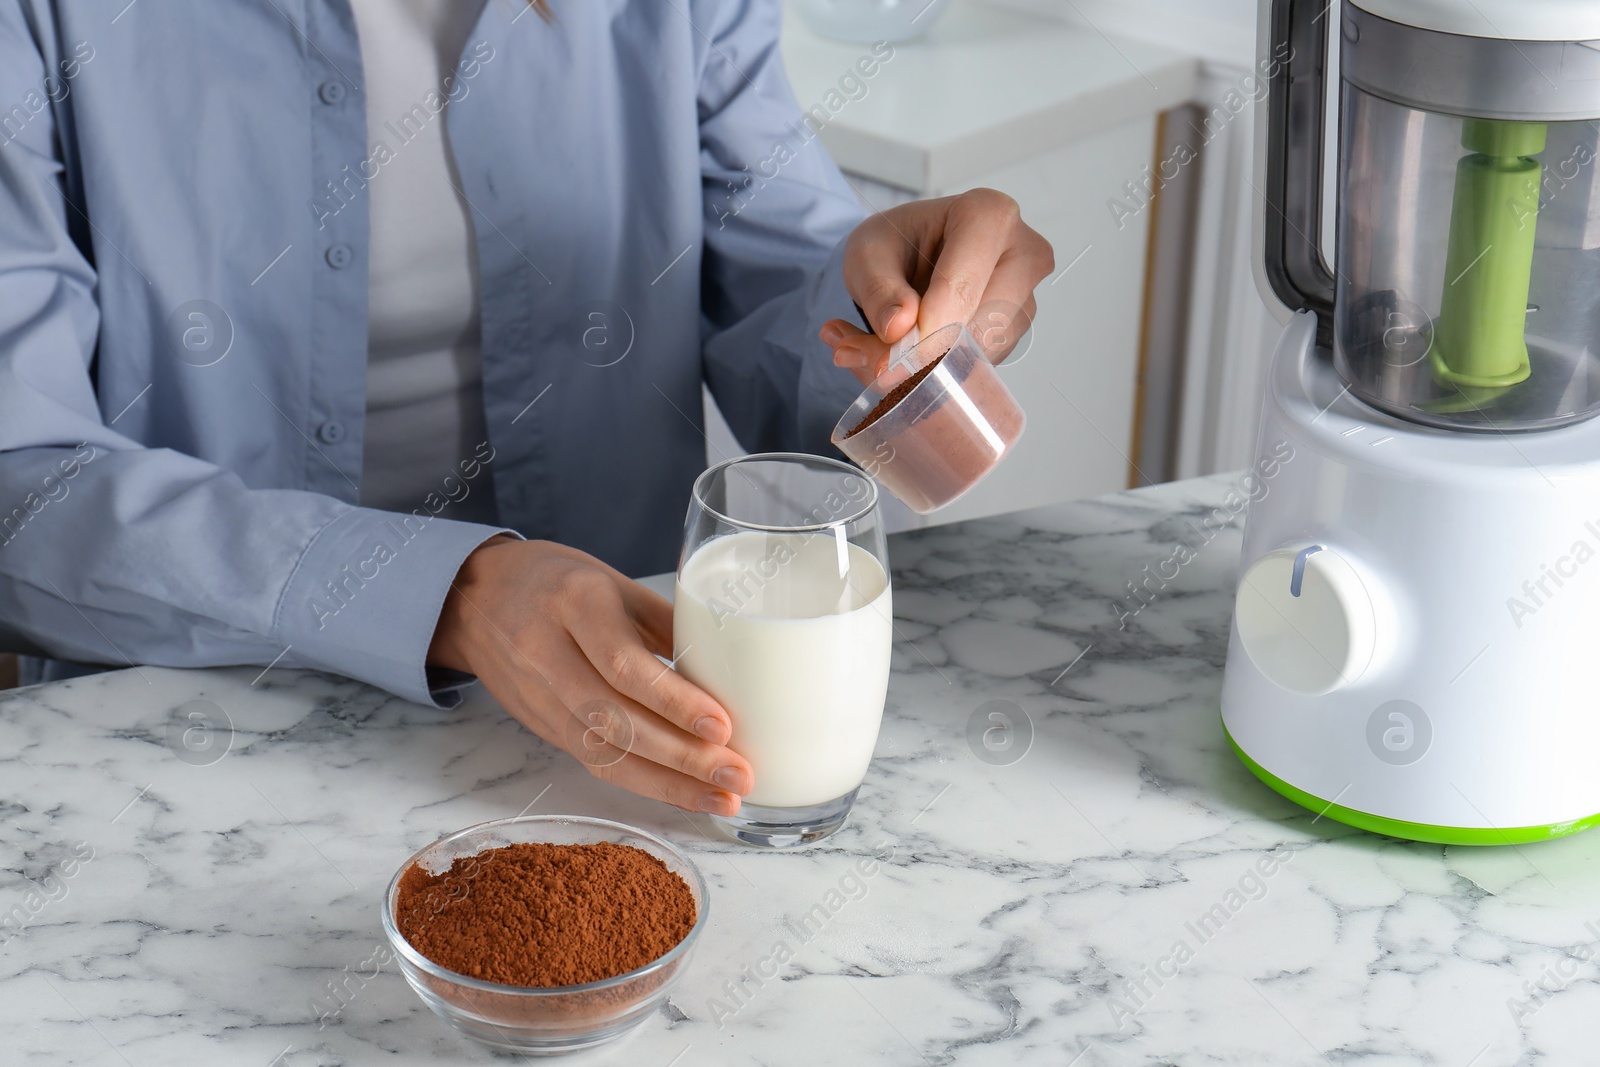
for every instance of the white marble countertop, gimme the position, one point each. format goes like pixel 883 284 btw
pixel 1124 893
pixel 985 87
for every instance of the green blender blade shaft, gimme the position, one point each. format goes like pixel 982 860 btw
pixel 1478 336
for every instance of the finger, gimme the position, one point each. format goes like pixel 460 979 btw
pixel 621 659
pixel 653 780
pixel 581 733
pixel 599 711
pixel 836 332
pixel 584 737
pixel 622 647
pixel 564 701
pixel 979 227
pixel 859 352
pixel 1008 307
pixel 651 614
pixel 607 728
pixel 878 269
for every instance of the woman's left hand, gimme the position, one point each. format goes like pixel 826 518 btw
pixel 966 258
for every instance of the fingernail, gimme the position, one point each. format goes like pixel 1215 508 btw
pixel 715 803
pixel 888 316
pixel 729 778
pixel 831 334
pixel 849 357
pixel 710 728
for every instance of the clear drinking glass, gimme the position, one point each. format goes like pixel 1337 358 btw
pixel 783 614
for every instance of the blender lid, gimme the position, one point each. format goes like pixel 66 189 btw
pixel 1510 20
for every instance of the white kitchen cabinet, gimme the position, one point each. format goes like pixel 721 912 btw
pixel 1230 328
pixel 1062 118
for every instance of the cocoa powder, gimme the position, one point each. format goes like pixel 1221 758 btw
pixel 542 915
pixel 893 397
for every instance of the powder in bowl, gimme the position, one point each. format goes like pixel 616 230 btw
pixel 542 915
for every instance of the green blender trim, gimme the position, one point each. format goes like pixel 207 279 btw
pixel 1478 336
pixel 1411 831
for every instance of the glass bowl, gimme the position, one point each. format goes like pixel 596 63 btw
pixel 542 1021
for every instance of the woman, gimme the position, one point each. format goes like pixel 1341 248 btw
pixel 368 336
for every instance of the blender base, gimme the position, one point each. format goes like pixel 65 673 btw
pixel 1410 831
pixel 1415 635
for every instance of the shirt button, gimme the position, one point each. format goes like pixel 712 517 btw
pixel 338 256
pixel 331 432
pixel 331 91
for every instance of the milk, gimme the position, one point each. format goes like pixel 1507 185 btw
pixel 791 633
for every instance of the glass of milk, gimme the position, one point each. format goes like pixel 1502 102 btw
pixel 783 615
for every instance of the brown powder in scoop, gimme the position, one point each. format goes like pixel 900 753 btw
pixel 893 397
pixel 542 915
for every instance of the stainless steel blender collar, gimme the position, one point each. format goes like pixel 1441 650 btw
pixel 1511 20
pixel 1475 76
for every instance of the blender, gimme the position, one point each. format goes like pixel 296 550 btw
pixel 1417 623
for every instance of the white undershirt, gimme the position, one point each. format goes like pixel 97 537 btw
pixel 424 394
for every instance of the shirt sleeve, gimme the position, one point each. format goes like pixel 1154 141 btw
pixel 117 554
pixel 777 213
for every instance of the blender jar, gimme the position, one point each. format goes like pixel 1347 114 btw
pixel 1467 287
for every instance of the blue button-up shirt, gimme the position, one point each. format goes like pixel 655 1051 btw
pixel 183 291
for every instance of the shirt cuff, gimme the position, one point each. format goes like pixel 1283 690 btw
pixel 365 599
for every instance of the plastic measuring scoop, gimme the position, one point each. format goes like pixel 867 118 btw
pixel 1478 344
pixel 898 350
pixel 935 422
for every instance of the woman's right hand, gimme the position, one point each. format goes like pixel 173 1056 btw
pixel 568 646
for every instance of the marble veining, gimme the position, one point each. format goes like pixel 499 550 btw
pixel 1054 860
